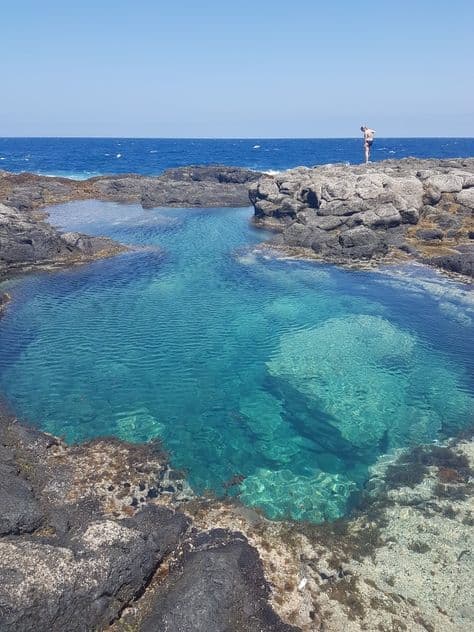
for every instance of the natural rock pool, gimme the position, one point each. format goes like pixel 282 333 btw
pixel 291 377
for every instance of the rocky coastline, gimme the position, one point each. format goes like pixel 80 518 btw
pixel 106 536
pixel 393 210
pixel 27 241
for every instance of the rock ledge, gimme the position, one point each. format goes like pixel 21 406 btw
pixel 398 208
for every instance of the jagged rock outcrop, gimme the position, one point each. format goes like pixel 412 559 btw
pixel 222 565
pixel 201 186
pixel 343 213
pixel 26 241
pixel 82 579
pixel 83 531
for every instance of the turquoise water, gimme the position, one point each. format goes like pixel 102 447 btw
pixel 294 375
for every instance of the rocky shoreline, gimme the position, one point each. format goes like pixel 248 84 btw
pixel 390 210
pixel 27 241
pixel 394 210
pixel 85 529
pixel 106 536
pixel 106 529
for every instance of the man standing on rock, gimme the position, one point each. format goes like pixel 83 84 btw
pixel 368 140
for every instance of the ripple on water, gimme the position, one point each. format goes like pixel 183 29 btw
pixel 295 375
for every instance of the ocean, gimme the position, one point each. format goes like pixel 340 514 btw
pixel 86 157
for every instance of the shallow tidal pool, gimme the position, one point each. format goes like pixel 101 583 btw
pixel 292 376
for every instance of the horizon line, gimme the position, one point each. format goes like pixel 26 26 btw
pixel 216 138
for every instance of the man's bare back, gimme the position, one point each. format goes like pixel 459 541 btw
pixel 368 140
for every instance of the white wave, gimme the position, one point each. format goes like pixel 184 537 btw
pixel 247 260
pixel 153 151
pixel 118 156
pixel 70 176
pixel 454 299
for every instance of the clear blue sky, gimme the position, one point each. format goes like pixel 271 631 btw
pixel 236 69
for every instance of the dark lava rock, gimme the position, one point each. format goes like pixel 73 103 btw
pixel 209 173
pixel 362 243
pixel 20 512
pixel 197 187
pixel 460 261
pixel 428 234
pixel 410 215
pixel 217 586
pixel 26 241
pixel 84 582
pixel 65 564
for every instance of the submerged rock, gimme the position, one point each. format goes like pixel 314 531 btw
pixel 284 493
pixel 366 376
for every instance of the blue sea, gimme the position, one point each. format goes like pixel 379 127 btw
pixel 294 376
pixel 86 157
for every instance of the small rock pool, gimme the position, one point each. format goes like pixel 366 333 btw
pixel 289 378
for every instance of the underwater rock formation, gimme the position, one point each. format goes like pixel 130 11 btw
pixel 358 356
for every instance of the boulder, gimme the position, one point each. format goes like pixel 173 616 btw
pixel 428 234
pixel 410 216
pixel 83 582
pixel 446 183
pixel 466 198
pixel 460 261
pixel 342 208
pixel 362 243
pixel 298 234
pixel 329 222
pixel 339 189
pixel 382 217
pixel 408 188
pixel 217 585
